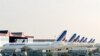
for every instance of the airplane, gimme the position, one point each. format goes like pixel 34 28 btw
pixel 75 42
pixel 59 42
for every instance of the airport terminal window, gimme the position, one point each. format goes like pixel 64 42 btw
pixel 20 40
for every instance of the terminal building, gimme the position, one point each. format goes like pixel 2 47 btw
pixel 13 37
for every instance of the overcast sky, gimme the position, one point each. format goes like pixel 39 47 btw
pixel 48 18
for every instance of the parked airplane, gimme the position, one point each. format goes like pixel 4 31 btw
pixel 75 42
pixel 56 44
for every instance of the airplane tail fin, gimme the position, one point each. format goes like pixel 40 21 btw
pixel 77 39
pixel 85 40
pixel 72 38
pixel 90 40
pixel 82 39
pixel 62 37
pixel 93 41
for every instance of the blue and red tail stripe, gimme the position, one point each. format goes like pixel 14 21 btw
pixel 72 38
pixel 62 37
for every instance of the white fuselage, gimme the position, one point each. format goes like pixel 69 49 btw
pixel 79 44
pixel 34 46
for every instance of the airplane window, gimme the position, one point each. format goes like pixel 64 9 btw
pixel 21 40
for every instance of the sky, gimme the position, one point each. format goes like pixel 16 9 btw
pixel 48 18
